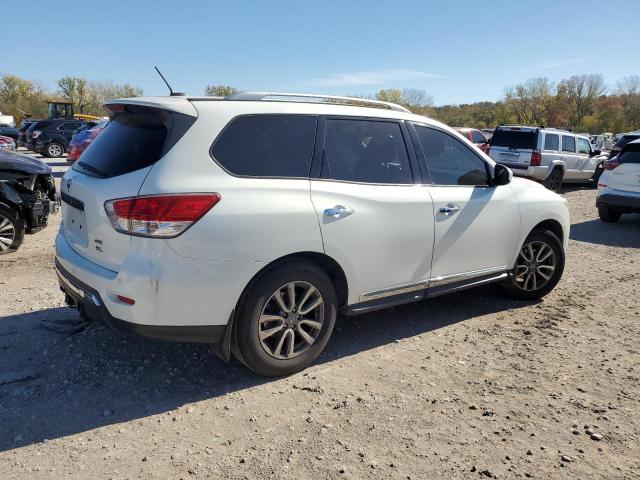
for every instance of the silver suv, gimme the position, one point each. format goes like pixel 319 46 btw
pixel 549 155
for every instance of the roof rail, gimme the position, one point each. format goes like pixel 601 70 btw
pixel 312 98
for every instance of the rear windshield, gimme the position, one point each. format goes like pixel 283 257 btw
pixel 631 155
pixel 517 139
pixel 129 143
pixel 626 139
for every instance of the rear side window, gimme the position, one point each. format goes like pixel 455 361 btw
pixel 267 145
pixel 365 151
pixel 552 141
pixel 583 146
pixel 516 139
pixel 130 142
pixel 451 162
pixel 568 144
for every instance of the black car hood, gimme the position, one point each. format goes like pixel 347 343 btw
pixel 23 163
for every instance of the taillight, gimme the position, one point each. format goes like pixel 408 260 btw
pixel 35 133
pixel 536 158
pixel 611 164
pixel 159 216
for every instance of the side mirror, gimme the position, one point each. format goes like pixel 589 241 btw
pixel 595 153
pixel 501 175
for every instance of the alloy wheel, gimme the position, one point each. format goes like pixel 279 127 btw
pixel 535 266
pixel 55 150
pixel 291 320
pixel 7 233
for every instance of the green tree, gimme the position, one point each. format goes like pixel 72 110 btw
pixel 531 101
pixel 391 95
pixel 219 90
pixel 74 90
pixel 628 90
pixel 580 93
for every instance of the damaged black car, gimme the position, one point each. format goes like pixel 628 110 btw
pixel 27 198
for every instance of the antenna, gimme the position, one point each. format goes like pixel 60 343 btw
pixel 171 92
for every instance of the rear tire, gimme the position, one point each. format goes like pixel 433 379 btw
pixel 608 215
pixel 272 336
pixel 54 150
pixel 554 180
pixel 11 230
pixel 538 268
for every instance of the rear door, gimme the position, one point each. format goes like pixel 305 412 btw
pixel 375 217
pixel 551 150
pixel 114 166
pixel 626 176
pixel 570 156
pixel 513 146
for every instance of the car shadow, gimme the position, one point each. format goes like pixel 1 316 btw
pixel 624 233
pixel 575 187
pixel 54 383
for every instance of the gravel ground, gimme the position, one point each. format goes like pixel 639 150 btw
pixel 465 386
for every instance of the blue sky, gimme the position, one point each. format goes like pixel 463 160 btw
pixel 458 51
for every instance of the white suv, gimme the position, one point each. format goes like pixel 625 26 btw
pixel 619 185
pixel 251 222
pixel 548 155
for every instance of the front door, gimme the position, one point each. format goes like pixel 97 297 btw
pixel 476 225
pixel 376 221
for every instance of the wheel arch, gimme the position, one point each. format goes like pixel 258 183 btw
pixel 329 265
pixel 550 224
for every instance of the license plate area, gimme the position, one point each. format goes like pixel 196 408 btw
pixel 75 226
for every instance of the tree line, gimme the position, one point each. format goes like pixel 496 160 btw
pixel 581 103
pixel 22 97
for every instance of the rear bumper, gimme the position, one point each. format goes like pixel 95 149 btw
pixel 90 304
pixel 176 298
pixel 624 202
pixel 536 173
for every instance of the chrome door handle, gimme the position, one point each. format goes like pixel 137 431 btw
pixel 450 209
pixel 339 211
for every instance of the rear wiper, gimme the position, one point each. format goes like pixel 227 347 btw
pixel 93 169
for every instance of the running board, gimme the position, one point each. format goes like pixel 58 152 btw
pixel 415 296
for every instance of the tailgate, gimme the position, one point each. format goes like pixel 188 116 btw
pixel 513 146
pixel 114 166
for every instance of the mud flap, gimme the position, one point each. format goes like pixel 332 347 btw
pixel 223 349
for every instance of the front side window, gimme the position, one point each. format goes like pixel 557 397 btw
pixel 450 162
pixel 365 151
pixel 552 142
pixel 267 145
pixel 568 144
pixel 583 146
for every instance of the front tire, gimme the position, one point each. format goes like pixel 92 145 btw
pixel 538 268
pixel 608 215
pixel 11 230
pixel 285 319
pixel 554 181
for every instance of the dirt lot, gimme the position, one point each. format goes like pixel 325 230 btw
pixel 465 386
